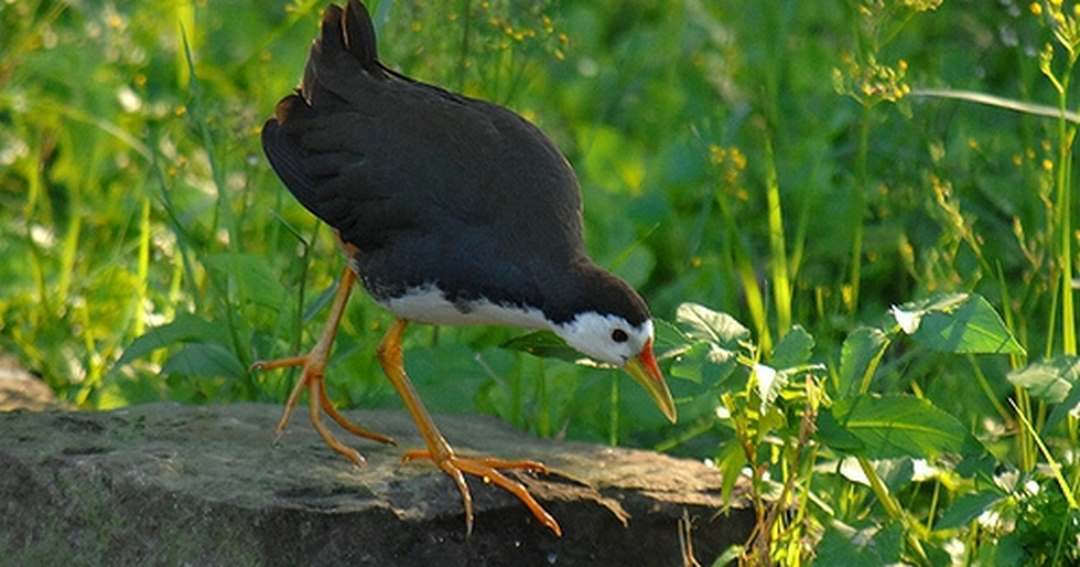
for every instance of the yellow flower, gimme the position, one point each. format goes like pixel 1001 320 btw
pixel 923 5
pixel 1036 8
pixel 1047 164
pixel 738 158
pixel 717 154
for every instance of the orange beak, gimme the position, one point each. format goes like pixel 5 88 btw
pixel 643 369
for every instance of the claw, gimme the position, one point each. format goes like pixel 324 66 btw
pixel 313 379
pixel 487 469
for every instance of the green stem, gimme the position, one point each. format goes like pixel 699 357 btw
pixel 933 505
pixel 1023 435
pixel 516 396
pixel 1064 197
pixel 781 281
pixel 543 421
pixel 1055 290
pixel 143 270
pixel 871 368
pixel 892 507
pixel 755 298
pixel 915 531
pixel 859 214
pixel 305 264
pixel 1055 467
pixel 987 389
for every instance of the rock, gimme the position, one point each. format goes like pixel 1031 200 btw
pixel 165 484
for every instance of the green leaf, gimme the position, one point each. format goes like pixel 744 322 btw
pixel 1054 381
pixel 899 425
pixel 730 462
pixel 909 316
pixel 844 545
pixel 967 508
pixel 668 339
pixel 184 328
pixel 543 344
pixel 729 556
pixel 831 433
pixel 1069 406
pixel 936 554
pixel 957 323
pixel 704 362
pixel 769 383
pixel 860 354
pixel 252 275
pixel 895 473
pixel 205 360
pixel 1007 552
pixel 1048 380
pixel 794 349
pixel 705 324
pixel 980 466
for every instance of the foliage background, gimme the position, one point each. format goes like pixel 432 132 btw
pixel 134 195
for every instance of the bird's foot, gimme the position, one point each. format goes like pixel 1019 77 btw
pixel 487 469
pixel 313 379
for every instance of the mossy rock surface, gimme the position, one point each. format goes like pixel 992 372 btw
pixel 166 484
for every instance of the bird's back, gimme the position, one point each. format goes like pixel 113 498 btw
pixel 430 186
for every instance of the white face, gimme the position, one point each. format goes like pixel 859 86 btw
pixel 606 338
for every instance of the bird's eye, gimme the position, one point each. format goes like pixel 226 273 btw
pixel 619 336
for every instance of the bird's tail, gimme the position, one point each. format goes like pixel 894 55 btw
pixel 341 72
pixel 344 49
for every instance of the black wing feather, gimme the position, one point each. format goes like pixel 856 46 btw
pixel 389 161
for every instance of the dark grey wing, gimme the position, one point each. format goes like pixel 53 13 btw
pixel 317 141
pixel 376 155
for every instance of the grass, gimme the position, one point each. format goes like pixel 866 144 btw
pixel 853 220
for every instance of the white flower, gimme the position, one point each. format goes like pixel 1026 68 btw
pixel 908 320
pixel 129 101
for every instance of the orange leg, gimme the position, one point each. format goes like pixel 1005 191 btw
pixel 439 451
pixel 313 379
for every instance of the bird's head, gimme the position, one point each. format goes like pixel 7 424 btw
pixel 614 326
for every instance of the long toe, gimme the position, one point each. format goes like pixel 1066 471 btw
pixel 341 420
pixel 488 470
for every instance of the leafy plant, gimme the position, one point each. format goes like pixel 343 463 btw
pixel 736 155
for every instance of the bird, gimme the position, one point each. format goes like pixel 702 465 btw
pixel 450 211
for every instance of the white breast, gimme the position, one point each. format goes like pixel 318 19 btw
pixel 428 304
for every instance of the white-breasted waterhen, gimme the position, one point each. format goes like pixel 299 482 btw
pixel 452 211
